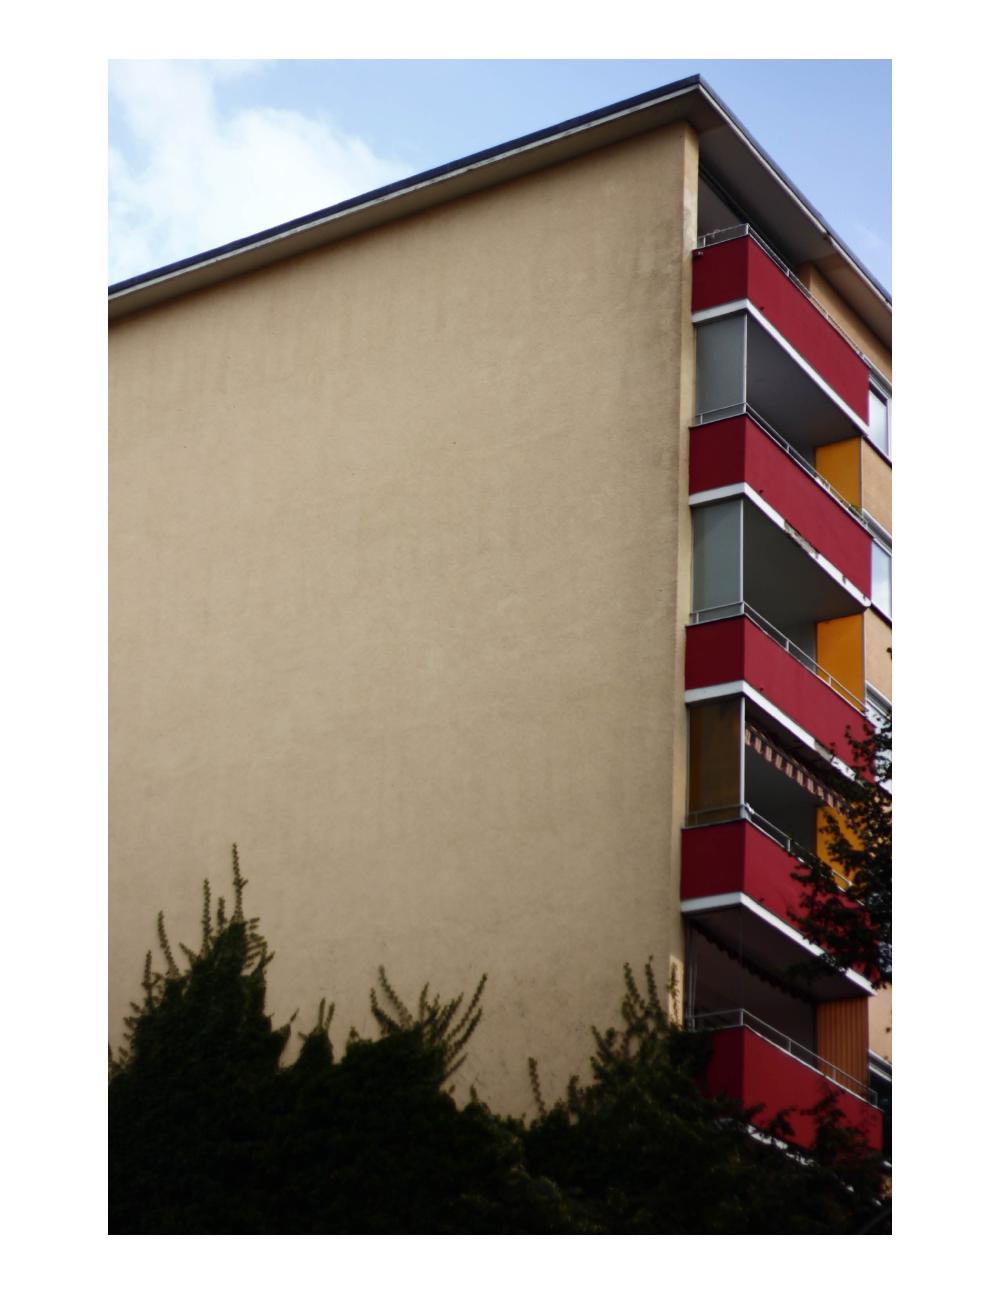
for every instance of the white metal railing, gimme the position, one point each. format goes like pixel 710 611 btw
pixel 738 1018
pixel 748 231
pixel 747 813
pixel 729 610
pixel 747 410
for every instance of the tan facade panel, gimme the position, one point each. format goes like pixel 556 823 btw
pixel 820 287
pixel 876 487
pixel 400 566
pixel 878 653
pixel 880 1023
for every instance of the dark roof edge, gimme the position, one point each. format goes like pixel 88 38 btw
pixel 799 195
pixel 475 159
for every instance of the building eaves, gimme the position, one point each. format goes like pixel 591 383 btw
pixel 726 143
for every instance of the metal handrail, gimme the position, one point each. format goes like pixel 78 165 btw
pixel 748 411
pixel 745 812
pixel 747 231
pixel 739 1018
pixel 732 609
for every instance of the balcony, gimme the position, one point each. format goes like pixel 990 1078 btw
pixel 733 267
pixel 745 647
pixel 745 449
pixel 758 1066
pixel 736 856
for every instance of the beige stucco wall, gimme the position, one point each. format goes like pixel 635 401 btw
pixel 876 486
pixel 400 562
pixel 880 1023
pixel 878 653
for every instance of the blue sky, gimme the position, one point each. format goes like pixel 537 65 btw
pixel 206 151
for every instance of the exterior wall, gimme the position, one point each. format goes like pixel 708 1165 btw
pixel 875 497
pixel 400 566
pixel 826 294
pixel 878 653
pixel 876 487
pixel 880 1023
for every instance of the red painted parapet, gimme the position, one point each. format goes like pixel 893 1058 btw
pixel 739 269
pixel 739 858
pixel 747 1068
pixel 736 449
pixel 726 651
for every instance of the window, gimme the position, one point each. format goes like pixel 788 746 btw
pixel 721 365
pixel 878 418
pixel 717 558
pixel 882 578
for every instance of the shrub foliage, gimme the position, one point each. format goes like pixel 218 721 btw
pixel 210 1133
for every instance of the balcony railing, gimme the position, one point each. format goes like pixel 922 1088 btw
pixel 748 411
pixel 748 231
pixel 738 1018
pixel 746 813
pixel 730 610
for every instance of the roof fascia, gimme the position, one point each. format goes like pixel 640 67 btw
pixel 690 99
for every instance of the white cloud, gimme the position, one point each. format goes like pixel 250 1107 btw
pixel 199 176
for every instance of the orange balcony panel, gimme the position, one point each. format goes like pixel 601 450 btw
pixel 740 270
pixel 754 1071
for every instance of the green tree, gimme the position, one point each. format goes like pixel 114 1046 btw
pixel 209 1133
pixel 643 1149
pixel 857 934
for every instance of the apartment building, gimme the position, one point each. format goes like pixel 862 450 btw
pixel 500 558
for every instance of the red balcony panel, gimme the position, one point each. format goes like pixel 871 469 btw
pixel 738 270
pixel 733 857
pixel 749 1069
pixel 724 651
pixel 736 449
pixel 739 858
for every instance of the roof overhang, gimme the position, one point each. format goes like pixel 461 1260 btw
pixel 726 149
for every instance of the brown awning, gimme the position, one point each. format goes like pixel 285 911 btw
pixel 784 763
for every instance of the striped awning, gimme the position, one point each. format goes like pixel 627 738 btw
pixel 784 763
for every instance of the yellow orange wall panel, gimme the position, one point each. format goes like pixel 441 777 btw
pixel 840 464
pixel 842 1035
pixel 823 817
pixel 840 650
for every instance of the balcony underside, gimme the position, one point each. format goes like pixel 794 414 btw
pixel 769 946
pixel 725 859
